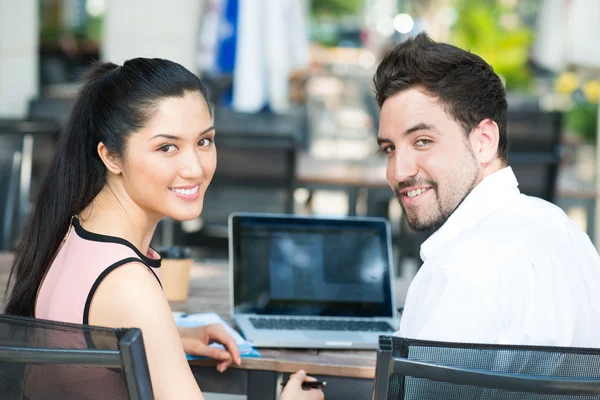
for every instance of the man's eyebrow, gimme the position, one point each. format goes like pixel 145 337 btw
pixel 381 141
pixel 421 126
pixel 174 137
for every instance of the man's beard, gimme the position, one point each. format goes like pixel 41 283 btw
pixel 442 215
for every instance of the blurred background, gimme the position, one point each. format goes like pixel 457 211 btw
pixel 291 81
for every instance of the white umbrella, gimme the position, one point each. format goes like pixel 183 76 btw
pixel 272 40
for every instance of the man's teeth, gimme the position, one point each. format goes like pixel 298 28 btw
pixel 413 193
pixel 186 192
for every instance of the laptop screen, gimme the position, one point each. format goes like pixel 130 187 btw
pixel 311 266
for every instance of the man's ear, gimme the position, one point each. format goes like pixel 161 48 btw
pixel 485 141
pixel 112 163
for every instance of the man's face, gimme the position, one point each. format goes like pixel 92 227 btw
pixel 431 166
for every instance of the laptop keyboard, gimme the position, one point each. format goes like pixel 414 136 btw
pixel 320 324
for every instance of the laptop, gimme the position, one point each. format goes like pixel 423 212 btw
pixel 311 282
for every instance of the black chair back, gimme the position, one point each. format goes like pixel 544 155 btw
pixel 256 172
pixel 49 108
pixel 35 143
pixel 11 147
pixel 42 359
pixel 418 369
pixel 534 150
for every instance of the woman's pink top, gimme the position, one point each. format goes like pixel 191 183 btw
pixel 82 262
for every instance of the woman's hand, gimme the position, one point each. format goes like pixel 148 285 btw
pixel 196 342
pixel 293 390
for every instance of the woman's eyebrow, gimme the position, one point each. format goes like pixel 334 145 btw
pixel 174 137
pixel 207 130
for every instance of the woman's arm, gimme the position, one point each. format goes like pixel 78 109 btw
pixel 130 296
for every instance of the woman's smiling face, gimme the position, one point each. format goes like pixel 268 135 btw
pixel 169 163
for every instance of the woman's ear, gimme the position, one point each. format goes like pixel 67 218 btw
pixel 486 141
pixel 112 163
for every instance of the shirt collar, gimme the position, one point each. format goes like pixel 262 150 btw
pixel 490 194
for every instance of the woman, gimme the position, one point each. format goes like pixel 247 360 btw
pixel 138 146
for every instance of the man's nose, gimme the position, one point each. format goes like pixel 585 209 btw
pixel 404 166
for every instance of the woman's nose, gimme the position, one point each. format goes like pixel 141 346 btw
pixel 191 166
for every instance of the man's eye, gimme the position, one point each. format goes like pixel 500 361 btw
pixel 387 150
pixel 167 148
pixel 422 142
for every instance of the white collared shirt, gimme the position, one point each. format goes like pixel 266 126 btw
pixel 506 268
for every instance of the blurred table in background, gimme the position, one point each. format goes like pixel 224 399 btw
pixel 352 176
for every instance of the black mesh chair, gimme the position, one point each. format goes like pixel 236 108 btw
pixel 417 369
pixel 42 359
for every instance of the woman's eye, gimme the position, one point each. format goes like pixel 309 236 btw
pixel 167 148
pixel 206 142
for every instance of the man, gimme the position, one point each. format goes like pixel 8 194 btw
pixel 500 267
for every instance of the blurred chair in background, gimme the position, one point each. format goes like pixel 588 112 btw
pixel 34 141
pixel 256 172
pixel 11 147
pixel 534 139
pixel 51 108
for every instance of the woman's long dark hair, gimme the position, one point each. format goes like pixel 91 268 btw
pixel 113 102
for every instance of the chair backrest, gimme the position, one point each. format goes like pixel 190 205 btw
pixel 11 146
pixel 418 369
pixel 534 150
pixel 49 108
pixel 34 140
pixel 256 169
pixel 46 359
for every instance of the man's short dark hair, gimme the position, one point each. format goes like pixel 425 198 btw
pixel 468 88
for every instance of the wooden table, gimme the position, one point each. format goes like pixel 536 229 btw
pixel 349 373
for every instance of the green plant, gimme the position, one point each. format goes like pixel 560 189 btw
pixel 479 29
pixel 335 8
pixel 582 119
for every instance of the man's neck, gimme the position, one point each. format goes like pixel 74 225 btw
pixel 492 167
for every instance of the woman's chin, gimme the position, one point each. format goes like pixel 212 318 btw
pixel 186 215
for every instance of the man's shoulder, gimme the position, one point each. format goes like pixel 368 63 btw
pixel 527 218
pixel 533 209
pixel 525 225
